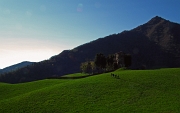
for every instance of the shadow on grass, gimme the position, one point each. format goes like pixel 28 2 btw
pixel 75 77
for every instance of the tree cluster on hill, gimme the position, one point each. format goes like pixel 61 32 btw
pixel 102 63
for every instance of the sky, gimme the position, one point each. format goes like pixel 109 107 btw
pixel 35 30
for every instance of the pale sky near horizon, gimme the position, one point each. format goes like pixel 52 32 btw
pixel 35 30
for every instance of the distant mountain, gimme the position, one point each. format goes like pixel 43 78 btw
pixel 155 44
pixel 15 67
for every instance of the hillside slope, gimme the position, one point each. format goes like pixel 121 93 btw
pixel 138 91
pixel 15 67
pixel 155 44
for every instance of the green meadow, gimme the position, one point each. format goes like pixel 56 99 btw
pixel 134 91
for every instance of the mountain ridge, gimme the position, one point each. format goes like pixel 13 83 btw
pixel 155 44
pixel 15 67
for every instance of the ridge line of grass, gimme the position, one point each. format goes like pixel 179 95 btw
pixel 33 91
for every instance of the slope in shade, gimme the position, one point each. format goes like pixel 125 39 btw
pixel 15 67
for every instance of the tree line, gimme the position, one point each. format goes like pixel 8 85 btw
pixel 101 63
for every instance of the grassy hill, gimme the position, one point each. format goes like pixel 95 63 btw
pixel 139 91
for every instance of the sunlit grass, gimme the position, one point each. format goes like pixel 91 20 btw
pixel 139 91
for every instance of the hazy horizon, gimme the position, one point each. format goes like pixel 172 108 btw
pixel 36 30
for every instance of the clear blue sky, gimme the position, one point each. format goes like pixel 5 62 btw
pixel 34 30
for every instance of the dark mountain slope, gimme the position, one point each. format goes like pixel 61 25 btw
pixel 154 44
pixel 165 34
pixel 161 31
pixel 15 67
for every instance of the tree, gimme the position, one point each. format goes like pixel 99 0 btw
pixel 127 60
pixel 93 67
pixel 110 62
pixel 100 61
pixel 87 67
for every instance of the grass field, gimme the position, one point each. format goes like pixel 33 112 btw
pixel 135 91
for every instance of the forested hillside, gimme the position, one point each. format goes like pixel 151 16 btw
pixel 15 67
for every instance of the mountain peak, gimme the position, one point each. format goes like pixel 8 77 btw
pixel 156 20
pixel 158 17
pixel 151 25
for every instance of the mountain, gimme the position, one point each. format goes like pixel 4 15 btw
pixel 155 44
pixel 15 67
